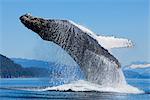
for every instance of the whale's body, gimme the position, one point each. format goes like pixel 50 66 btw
pixel 98 65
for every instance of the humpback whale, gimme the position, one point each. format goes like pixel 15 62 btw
pixel 98 65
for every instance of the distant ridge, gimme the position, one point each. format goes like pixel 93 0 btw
pixel 18 67
pixel 138 69
pixel 32 63
pixel 11 69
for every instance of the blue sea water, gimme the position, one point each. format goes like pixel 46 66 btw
pixel 25 88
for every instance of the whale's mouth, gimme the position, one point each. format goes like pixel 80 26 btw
pixel 26 17
pixel 27 20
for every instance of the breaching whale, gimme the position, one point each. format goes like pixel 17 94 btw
pixel 98 65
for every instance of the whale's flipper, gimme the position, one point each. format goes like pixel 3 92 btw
pixel 110 42
pixel 97 63
pixel 107 42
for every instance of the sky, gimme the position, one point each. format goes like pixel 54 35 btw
pixel 121 18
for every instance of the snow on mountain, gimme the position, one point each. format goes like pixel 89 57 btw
pixel 137 70
pixel 134 66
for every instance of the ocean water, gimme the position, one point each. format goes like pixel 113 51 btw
pixel 40 89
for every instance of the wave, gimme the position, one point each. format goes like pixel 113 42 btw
pixel 82 86
pixel 86 86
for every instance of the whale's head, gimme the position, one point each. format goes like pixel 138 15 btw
pixel 47 29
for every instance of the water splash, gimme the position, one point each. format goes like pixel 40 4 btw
pixel 101 70
pixel 65 68
pixel 82 85
pixel 68 75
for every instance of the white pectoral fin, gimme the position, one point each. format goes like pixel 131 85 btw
pixel 109 42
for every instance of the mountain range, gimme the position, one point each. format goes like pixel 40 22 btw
pixel 129 72
pixel 137 70
pixel 11 69
pixel 18 67
pixel 32 63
